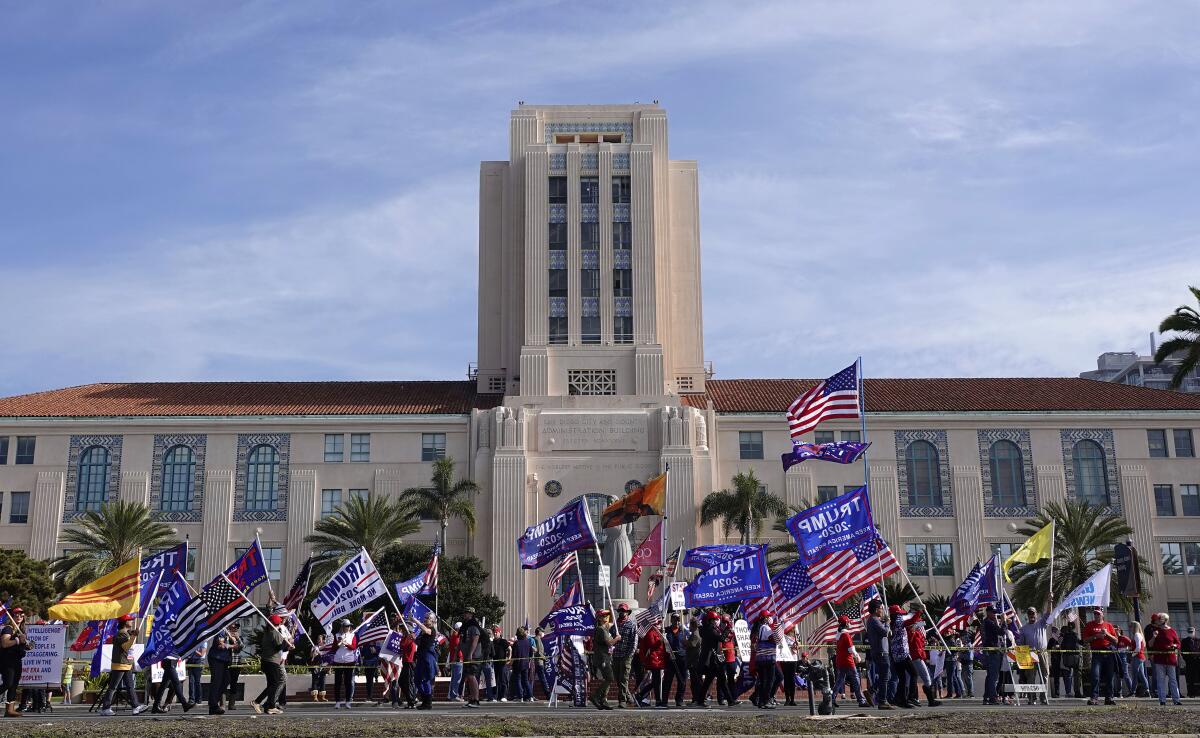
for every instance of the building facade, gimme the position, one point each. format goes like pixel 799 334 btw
pixel 1127 367
pixel 591 379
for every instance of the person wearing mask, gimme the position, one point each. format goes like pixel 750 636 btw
pixel 219 657
pixel 652 651
pixel 623 655
pixel 427 638
pixel 13 646
pixel 712 659
pixel 319 670
pixel 470 635
pixel 677 647
pixel 121 677
pixel 1070 644
pixel 1191 660
pixel 765 639
pixel 1035 633
pixel 501 659
pixel 902 660
pixel 920 655
pixel 345 658
pixel 522 658
pixel 878 640
pixel 455 660
pixel 195 673
pixel 992 640
pixel 233 673
pixel 1164 652
pixel 786 656
pixel 1137 660
pixel 845 663
pixel 603 641
pixel 695 647
pixel 273 643
pixel 407 680
pixel 1101 637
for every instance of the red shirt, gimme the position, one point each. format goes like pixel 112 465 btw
pixel 916 641
pixel 1124 642
pixel 1165 649
pixel 842 658
pixel 652 650
pixel 1095 635
pixel 730 649
pixel 455 640
pixel 408 649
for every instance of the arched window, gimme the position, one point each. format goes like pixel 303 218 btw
pixel 1091 477
pixel 262 478
pixel 1008 474
pixel 924 475
pixel 178 479
pixel 91 487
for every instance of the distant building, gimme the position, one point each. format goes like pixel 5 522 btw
pixel 1128 367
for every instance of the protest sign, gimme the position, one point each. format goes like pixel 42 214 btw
pixel 43 662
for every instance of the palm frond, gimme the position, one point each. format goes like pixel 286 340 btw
pixel 101 540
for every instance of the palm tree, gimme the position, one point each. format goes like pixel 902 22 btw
pixel 1084 536
pixel 1186 321
pixel 743 509
pixel 101 540
pixel 445 499
pixel 783 554
pixel 374 523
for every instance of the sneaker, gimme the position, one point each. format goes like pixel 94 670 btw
pixel 337 705
pixel 347 705
pixel 274 711
pixel 257 707
pixel 504 699
pixel 474 705
pixel 140 709
pixel 107 712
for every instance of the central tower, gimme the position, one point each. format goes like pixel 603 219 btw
pixel 589 258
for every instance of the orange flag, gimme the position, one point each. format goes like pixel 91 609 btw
pixel 649 499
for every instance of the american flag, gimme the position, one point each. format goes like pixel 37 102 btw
pixel 842 573
pixel 573 596
pixel 564 565
pixel 836 397
pixel 216 605
pixel 667 571
pixel 373 628
pixel 431 572
pixel 853 610
pixel 295 596
pixel 793 595
pixel 673 562
pixel 652 616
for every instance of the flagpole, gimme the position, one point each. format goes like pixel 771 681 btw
pixel 924 609
pixel 257 540
pixel 247 599
pixel 1050 593
pixel 862 417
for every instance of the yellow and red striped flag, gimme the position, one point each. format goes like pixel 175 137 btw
pixel 115 594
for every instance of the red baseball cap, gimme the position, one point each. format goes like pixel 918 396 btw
pixel 844 619
pixel 896 610
pixel 125 618
pixel 624 607
pixel 712 615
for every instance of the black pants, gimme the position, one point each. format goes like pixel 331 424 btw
pixel 764 688
pixel 371 673
pixel 656 686
pixel 217 682
pixel 789 680
pixel 273 671
pixel 677 670
pixel 232 676
pixel 697 676
pixel 500 670
pixel 10 672
pixel 717 671
pixel 170 684
pixel 343 683
pixel 118 680
pixel 906 676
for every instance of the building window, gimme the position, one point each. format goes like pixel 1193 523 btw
pixel 930 559
pixel 589 282
pixel 558 236
pixel 826 492
pixel 589 329
pixel 3 450
pixel 1180 557
pixel 751 444
pixel 591 381
pixel 18 507
pixel 557 279
pixel 360 446
pixel 622 235
pixel 823 437
pixel 622 283
pixel 1157 439
pixel 360 494
pixel 1091 477
pixel 924 474
pixel 558 190
pixel 623 329
pixel 262 478
pixel 1189 498
pixel 851 436
pixel 558 330
pixel 331 499
pixel 1183 443
pixel 916 558
pixel 1005 549
pixel 433 446
pixel 589 236
pixel 942 556
pixel 589 190
pixel 25 448
pixel 334 445
pixel 272 560
pixel 620 189
pixel 1008 474
pixel 1164 500
pixel 92 484
pixel 178 479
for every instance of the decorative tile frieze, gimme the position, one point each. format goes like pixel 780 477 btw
pixel 590 258
pixel 112 488
pixel 622 307
pixel 558 259
pixel 589 127
pixel 246 443
pixel 620 212
pixel 162 444
pixel 558 163
pixel 938 439
pixel 589 212
pixel 987 438
pixel 622 259
pixel 558 307
pixel 590 307
pixel 589 162
pixel 558 212
pixel 1104 437
pixel 620 162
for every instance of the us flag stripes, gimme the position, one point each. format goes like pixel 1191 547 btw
pixel 842 573
pixel 295 596
pixel 373 628
pixel 828 631
pixel 835 397
pixel 216 605
pixel 793 595
pixel 564 565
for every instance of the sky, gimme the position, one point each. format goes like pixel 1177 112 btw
pixel 288 190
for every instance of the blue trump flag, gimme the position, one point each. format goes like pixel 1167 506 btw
pixel 837 525
pixel 248 571
pixel 155 572
pixel 414 586
pixel 107 631
pixel 570 620
pixel 841 452
pixel 414 609
pixel 706 557
pixel 160 645
pixel 567 530
pixel 731 581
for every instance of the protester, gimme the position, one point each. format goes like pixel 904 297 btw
pixel 368 657
pixel 469 646
pixel 67 677
pixel 1164 652
pixel 1191 659
pixel 652 650
pixel 712 660
pixel 920 657
pixel 219 658
pixel 406 682
pixel 966 662
pixel 13 645
pixel 237 658
pixel 845 663
pixel 426 658
pixel 272 646
pixel 902 660
pixel 1137 661
pixel 171 686
pixel 951 666
pixel 765 639
pixel 991 641
pixel 522 659
pixel 121 676
pixel 786 656
pixel 878 635
pixel 1101 638
pixel 1122 680
pixel 676 638
pixel 623 652
pixel 1035 633
pixel 345 657
pixel 539 660
pixel 195 673
pixel 487 669
pixel 696 669
pixel 603 641
pixel 501 657
pixel 1070 645
pixel 455 660
pixel 318 668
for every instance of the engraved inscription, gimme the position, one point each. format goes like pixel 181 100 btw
pixel 592 431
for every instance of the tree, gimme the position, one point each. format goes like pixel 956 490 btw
pixel 27 581
pixel 784 554
pixel 374 523
pixel 445 499
pixel 1185 321
pixel 101 540
pixel 460 580
pixel 1084 536
pixel 898 591
pixel 744 509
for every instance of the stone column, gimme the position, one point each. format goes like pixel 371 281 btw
pixel 218 517
pixel 508 523
pixel 885 502
pixel 303 502
pixel 967 489
pixel 642 215
pixel 537 245
pixel 1136 502
pixel 682 499
pixel 46 512
pixel 135 487
pixel 1051 484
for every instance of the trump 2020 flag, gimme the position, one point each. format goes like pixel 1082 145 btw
pixel 569 529
pixel 841 452
pixel 248 571
pixel 969 595
pixel 156 573
pixel 159 645
pixel 706 557
pixel 836 525
pixel 730 581
pixel 1092 593
pixel 355 584
pixel 570 620
pixel 414 609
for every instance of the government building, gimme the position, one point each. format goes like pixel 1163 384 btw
pixel 591 378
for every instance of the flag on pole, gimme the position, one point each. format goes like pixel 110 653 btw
pixel 215 606
pixel 431 573
pixel 648 553
pixel 565 564
pixel 108 629
pixel 352 586
pixel 843 573
pixel 1035 548
pixel 978 588
pixel 112 595
pixel 835 397
pixel 1092 593
pixel 793 595
pixel 648 499
pixel 841 452
pixel 673 562
pixel 374 627
pixel 828 631
pixel 573 596
pixel 248 571
pixel 174 596
pixel 295 596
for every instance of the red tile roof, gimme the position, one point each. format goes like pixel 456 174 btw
pixel 142 399
pixel 950 395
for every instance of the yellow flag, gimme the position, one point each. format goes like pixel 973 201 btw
pixel 115 594
pixel 1037 547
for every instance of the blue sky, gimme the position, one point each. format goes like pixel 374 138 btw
pixel 287 190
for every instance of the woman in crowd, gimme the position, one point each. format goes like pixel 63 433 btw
pixel 345 657
pixel 121 676
pixel 845 663
pixel 195 672
pixel 522 660
pixel 786 656
pixel 1164 652
pixel 426 659
pixel 902 662
pixel 318 668
pixel 916 647
pixel 1137 661
pixel 652 651
pixel 13 646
